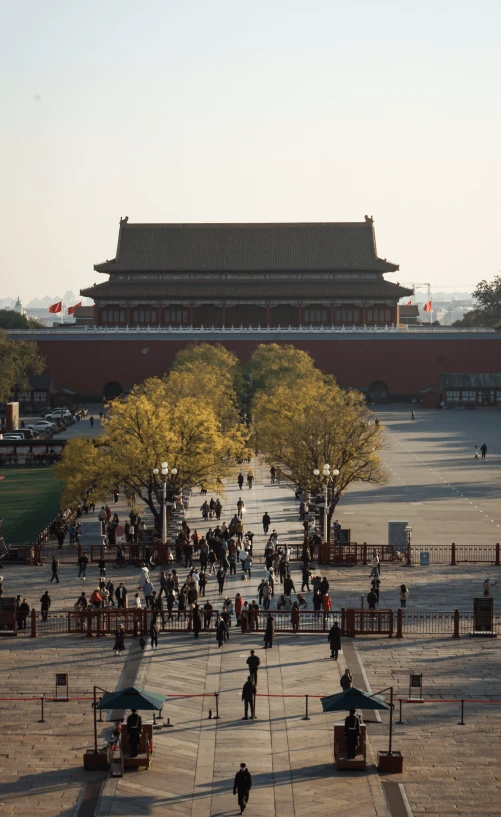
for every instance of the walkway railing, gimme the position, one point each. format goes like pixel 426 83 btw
pixel 353 554
pixel 353 622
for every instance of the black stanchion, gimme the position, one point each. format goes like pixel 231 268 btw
pixel 216 695
pixel 306 716
pixel 42 719
pixel 400 721
pixel 461 722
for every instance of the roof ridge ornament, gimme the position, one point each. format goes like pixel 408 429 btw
pixel 124 220
pixel 369 219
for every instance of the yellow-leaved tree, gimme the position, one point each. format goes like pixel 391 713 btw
pixel 303 423
pixel 160 420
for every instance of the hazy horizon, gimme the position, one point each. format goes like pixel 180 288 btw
pixel 270 111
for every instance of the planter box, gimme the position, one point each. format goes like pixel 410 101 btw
pixel 390 763
pixel 96 763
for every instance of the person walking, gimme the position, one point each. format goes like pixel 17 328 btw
pixel 240 480
pixel 54 568
pixel 240 507
pixel 250 478
pixel 371 599
pixel 273 474
pixel 83 561
pixel 376 566
pixel 334 639
pixel 134 728
pixel 253 663
pixel 295 617
pixel 483 450
pixel 197 621
pixel 221 578
pixel 121 596
pixel 375 584
pixel 119 644
pixel 154 633
pixel 102 568
pixel 269 633
pixel 45 603
pixel 404 595
pixel 242 786
pixel 248 697
pixel 346 680
pixel 221 632
pixel 266 522
pixel 487 588
pixel 306 576
pixel 239 602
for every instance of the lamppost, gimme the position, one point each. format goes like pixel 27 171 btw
pixel 165 473
pixel 408 536
pixel 326 476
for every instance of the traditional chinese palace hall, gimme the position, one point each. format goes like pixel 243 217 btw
pixel 250 275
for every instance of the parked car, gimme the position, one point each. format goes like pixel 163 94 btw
pixel 9 436
pixel 43 425
pixel 26 433
pixel 59 414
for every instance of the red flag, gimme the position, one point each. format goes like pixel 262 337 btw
pixel 409 303
pixel 428 307
pixel 71 309
pixel 55 308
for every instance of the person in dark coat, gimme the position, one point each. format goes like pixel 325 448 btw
pixel 222 631
pixel 253 663
pixel 371 599
pixel 266 522
pixel 45 603
pixel 351 733
pixel 249 698
pixel 134 727
pixel 317 602
pixel 154 633
pixel 242 786
pixel 269 632
pixel 334 639
pixel 119 644
pixel 54 568
pixel 197 621
pixel 121 595
pixel 346 680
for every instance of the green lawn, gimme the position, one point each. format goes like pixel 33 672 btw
pixel 29 500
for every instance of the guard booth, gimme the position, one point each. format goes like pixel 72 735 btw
pixel 145 749
pixel 341 753
pixel 8 617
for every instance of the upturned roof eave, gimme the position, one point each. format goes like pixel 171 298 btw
pixel 110 267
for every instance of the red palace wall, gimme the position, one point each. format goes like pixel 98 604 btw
pixel 407 363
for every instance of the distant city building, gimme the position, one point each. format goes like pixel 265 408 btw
pixel 224 275
pixel 18 307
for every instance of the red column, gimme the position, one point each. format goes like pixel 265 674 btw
pixel 223 315
pixel 96 315
pixel 191 315
pixel 332 315
pixel 300 315
pixel 268 315
pixel 128 315
pixel 363 316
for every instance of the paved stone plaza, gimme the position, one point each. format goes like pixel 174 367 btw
pixel 449 769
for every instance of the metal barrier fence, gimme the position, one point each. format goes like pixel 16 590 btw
pixel 354 553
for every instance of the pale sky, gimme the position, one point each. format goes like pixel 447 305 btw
pixel 270 110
